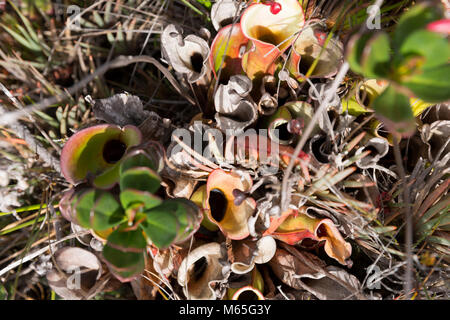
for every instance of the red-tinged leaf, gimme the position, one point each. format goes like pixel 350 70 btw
pixel 227 50
pixel 440 26
pixel 95 149
pixel 292 227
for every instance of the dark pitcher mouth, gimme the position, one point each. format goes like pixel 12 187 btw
pixel 197 62
pixel 113 151
pixel 248 295
pixel 264 34
pixel 280 132
pixel 218 204
pixel 322 231
pixel 283 132
pixel 321 148
pixel 198 269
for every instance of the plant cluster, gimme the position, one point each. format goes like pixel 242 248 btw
pixel 283 150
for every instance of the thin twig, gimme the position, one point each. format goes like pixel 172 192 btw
pixel 408 218
pixel 37 253
pixel 119 62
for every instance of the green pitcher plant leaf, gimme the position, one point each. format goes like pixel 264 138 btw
pixel 140 178
pixel 416 18
pixel 161 224
pixel 125 253
pixel 130 197
pixel 92 151
pixel 98 210
pixel 395 111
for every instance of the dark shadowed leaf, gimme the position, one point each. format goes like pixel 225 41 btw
pixel 376 56
pixel 395 110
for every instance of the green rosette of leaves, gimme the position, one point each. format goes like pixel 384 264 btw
pixel 136 217
pixel 414 60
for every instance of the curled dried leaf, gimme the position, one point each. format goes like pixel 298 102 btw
pixel 187 55
pixel 223 12
pixel 235 108
pixel 247 253
pixel 378 147
pixel 80 271
pixel 290 270
pixel 200 270
pixel 436 136
pixel 121 109
pixel 329 289
pixel 311 45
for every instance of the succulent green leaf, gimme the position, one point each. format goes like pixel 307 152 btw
pixel 433 85
pixel 434 47
pixel 189 218
pixel 98 210
pixel 376 56
pixel 125 253
pixel 140 178
pixel 395 110
pixel 107 179
pixel 425 66
pixel 127 240
pixel 161 224
pixel 130 197
pixel 126 274
pixel 137 159
pixel 414 19
pixel 356 47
